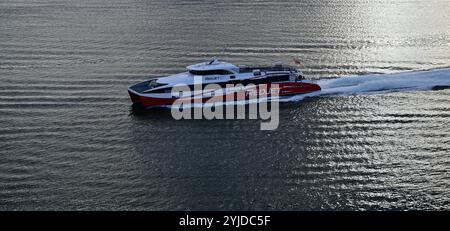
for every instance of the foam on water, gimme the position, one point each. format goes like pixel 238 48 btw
pixel 380 83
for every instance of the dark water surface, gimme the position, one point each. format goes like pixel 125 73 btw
pixel 69 139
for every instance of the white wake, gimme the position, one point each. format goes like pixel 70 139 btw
pixel 380 83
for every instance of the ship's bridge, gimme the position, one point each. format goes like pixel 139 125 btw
pixel 214 67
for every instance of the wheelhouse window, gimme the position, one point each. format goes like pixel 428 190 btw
pixel 153 84
pixel 211 72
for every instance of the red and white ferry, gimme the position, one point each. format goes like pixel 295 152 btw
pixel 158 91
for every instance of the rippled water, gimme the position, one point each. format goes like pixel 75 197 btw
pixel 69 139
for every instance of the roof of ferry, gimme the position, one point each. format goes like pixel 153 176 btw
pixel 215 64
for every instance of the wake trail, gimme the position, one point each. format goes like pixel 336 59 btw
pixel 381 83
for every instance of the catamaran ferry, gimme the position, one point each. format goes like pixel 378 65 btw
pixel 231 79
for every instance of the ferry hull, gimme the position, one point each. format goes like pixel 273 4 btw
pixel 284 89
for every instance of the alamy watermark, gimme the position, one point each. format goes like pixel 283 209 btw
pixel 230 101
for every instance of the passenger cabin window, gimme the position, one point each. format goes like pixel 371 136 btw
pixel 211 72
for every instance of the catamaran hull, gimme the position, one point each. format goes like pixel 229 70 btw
pixel 284 89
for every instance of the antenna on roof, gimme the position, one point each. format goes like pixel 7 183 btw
pixel 213 61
